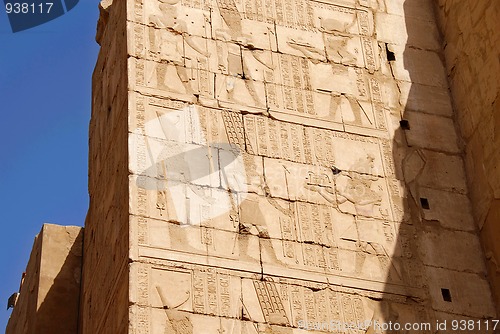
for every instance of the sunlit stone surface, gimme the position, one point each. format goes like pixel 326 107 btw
pixel 263 166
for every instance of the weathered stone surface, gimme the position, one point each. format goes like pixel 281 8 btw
pixel 471 53
pixel 431 100
pixel 271 166
pixel 454 250
pixel 432 132
pixel 450 209
pixel 470 293
pixel 50 286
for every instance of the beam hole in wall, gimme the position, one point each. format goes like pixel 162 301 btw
pixel 446 295
pixel 390 55
pixel 405 125
pixel 424 202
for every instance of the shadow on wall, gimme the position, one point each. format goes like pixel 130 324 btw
pixel 438 257
pixel 58 313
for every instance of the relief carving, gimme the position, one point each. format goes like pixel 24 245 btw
pixel 270 302
pixel 253 222
pixel 177 323
pixel 312 195
pixel 358 188
pixel 309 51
pixel 167 37
pixel 333 25
pixel 337 51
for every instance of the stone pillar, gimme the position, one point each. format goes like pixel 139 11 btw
pixel 105 285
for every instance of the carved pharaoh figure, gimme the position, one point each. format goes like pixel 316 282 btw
pixel 359 187
pixel 336 50
pixel 359 192
pixel 166 40
pixel 234 38
pixel 253 222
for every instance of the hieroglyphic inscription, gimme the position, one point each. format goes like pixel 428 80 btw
pixel 323 147
pixel 296 84
pixel 324 305
pixel 143 273
pixel 376 90
pixel 317 236
pixel 287 139
pixel 208 127
pixel 309 304
pixel 297 304
pixel 296 14
pixel 211 292
pixel 199 4
pixel 198 292
pixel 234 129
pixel 297 143
pixel 364 23
pixel 397 195
pixel 379 110
pixel 387 156
pixel 141 163
pixel 348 309
pixel 224 294
pixel 334 306
pixel 142 320
pixel 288 234
pixel 207 237
pixel 369 51
pixel 361 84
pixel 142 233
pixel 139 32
pixel 211 289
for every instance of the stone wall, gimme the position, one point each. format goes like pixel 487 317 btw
pixel 295 163
pixel 471 49
pixel 50 290
pixel 105 278
pixel 272 166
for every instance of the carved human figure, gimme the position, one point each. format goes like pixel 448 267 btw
pixel 364 247
pixel 253 222
pixel 359 192
pixel 234 38
pixel 336 39
pixel 364 233
pixel 174 173
pixel 167 43
pixel 359 187
pixel 336 49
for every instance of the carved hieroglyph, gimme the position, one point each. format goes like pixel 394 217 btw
pixel 265 190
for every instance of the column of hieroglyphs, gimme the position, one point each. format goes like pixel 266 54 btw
pixel 270 182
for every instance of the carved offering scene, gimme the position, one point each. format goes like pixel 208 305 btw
pixel 275 182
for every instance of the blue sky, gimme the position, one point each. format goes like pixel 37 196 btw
pixel 45 94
